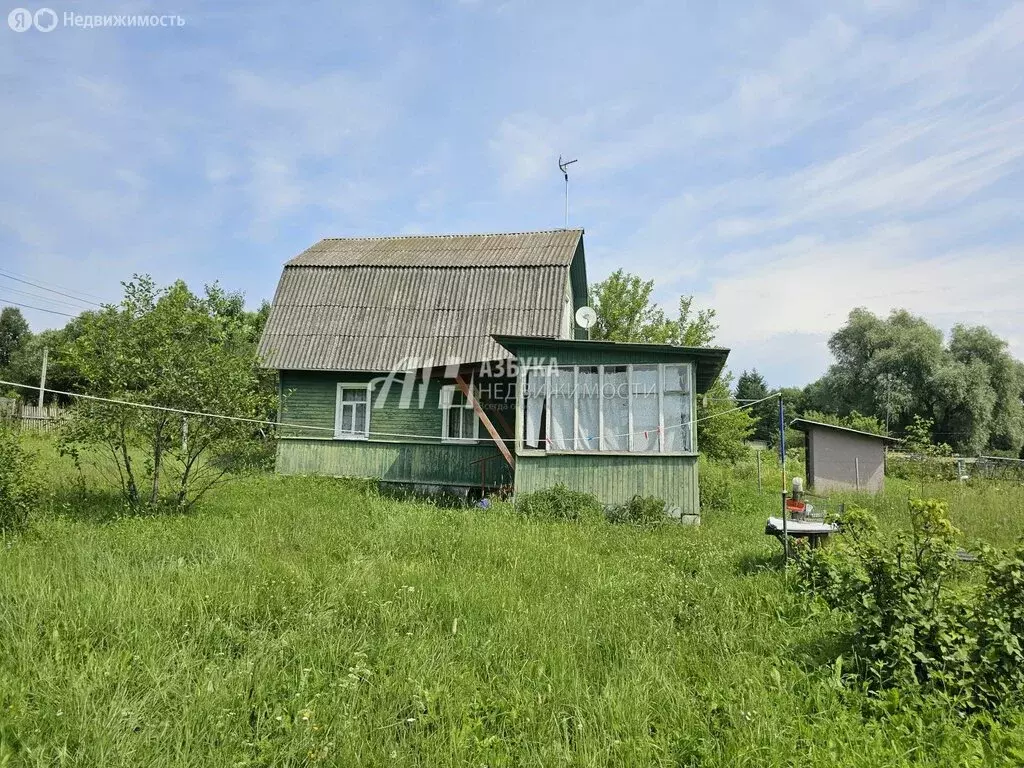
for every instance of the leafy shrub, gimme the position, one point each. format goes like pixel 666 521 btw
pixel 920 467
pixel 716 480
pixel 559 503
pixel 19 491
pixel 915 622
pixel 639 510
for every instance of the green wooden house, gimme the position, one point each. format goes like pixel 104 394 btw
pixel 454 362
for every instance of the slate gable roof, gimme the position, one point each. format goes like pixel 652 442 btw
pixel 371 304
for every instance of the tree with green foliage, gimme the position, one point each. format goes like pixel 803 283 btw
pixel 897 368
pixel 852 420
pixel 26 363
pixel 14 332
pixel 626 312
pixel 984 404
pixel 722 431
pixel 752 386
pixel 176 351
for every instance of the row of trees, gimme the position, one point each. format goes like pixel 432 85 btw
pixel 899 367
pixel 891 375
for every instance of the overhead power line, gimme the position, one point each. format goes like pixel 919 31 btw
pixel 183 412
pixel 52 284
pixel 43 297
pixel 39 309
pixel 51 290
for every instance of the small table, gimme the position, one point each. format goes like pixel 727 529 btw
pixel 815 531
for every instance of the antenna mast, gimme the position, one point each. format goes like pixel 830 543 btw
pixel 563 166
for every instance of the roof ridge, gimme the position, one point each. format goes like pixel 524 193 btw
pixel 458 234
pixel 445 267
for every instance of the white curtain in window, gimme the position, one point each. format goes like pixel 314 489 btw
pixel 560 430
pixel 536 397
pixel 646 413
pixel 615 404
pixel 588 392
pixel 678 406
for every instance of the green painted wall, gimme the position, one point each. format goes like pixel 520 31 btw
pixel 395 462
pixel 566 356
pixel 309 398
pixel 616 478
pixel 580 289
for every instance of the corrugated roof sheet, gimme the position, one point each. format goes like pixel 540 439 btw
pixel 376 303
pixel 517 249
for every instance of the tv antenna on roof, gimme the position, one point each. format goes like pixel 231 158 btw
pixel 563 166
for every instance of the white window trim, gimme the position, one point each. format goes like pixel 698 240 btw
pixel 662 429
pixel 338 434
pixel 445 404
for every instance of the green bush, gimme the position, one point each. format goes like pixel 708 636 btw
pixel 917 622
pixel 640 510
pixel 559 503
pixel 19 490
pixel 919 467
pixel 716 481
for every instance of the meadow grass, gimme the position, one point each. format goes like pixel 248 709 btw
pixel 300 621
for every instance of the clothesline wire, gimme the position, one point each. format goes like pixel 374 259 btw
pixel 269 423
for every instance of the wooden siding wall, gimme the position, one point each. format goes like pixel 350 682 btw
pixel 439 464
pixel 309 398
pixel 615 479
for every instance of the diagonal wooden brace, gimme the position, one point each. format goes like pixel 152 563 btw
pixel 468 392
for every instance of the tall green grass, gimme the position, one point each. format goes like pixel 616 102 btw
pixel 301 621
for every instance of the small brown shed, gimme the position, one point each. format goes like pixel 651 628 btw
pixel 840 458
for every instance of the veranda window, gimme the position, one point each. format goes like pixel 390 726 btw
pixel 611 408
pixel 352 412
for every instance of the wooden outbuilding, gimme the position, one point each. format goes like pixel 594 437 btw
pixel 841 458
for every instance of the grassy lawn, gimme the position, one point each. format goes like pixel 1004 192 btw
pixel 296 621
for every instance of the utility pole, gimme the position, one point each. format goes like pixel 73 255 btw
pixel 888 400
pixel 42 377
pixel 782 459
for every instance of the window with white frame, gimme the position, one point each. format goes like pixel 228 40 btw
pixel 610 408
pixel 352 412
pixel 459 422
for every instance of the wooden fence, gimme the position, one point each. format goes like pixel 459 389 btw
pixel 30 418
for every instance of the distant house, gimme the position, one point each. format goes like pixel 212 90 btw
pixel 454 361
pixel 840 458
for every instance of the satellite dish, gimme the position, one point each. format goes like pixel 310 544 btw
pixel 586 317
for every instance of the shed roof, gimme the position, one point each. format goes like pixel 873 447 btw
pixel 805 425
pixel 373 304
pixel 710 360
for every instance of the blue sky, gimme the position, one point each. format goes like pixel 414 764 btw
pixel 783 164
